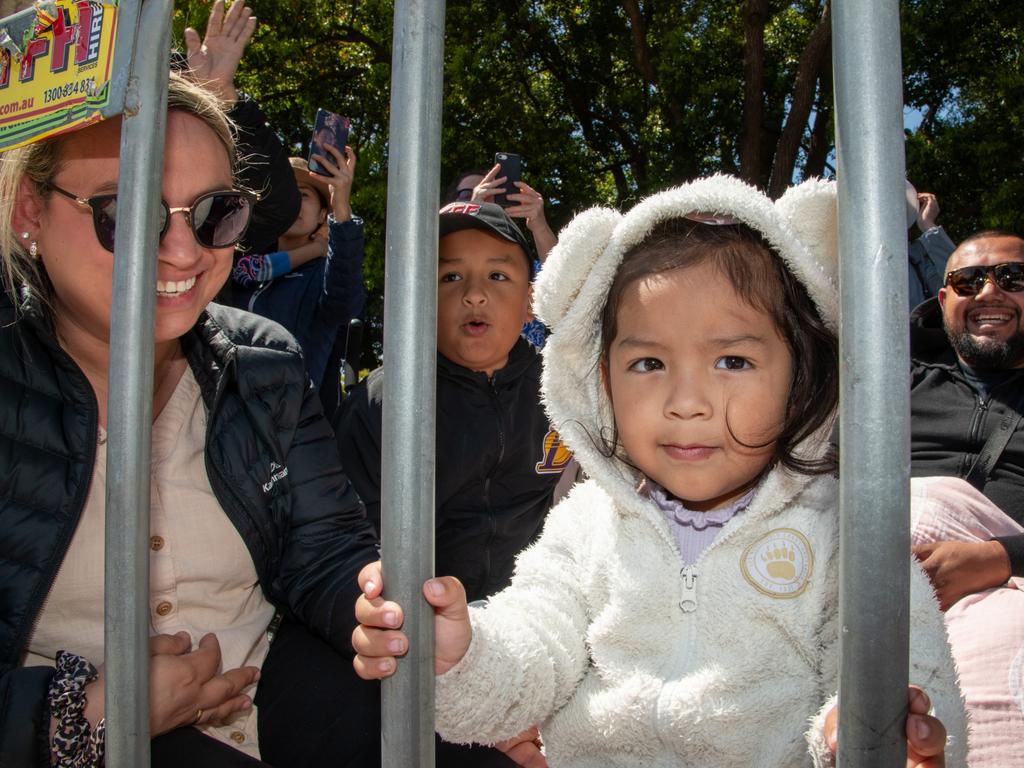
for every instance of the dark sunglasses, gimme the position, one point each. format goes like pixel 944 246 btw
pixel 969 281
pixel 464 194
pixel 217 219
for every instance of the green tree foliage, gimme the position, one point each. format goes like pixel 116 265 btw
pixel 964 70
pixel 609 101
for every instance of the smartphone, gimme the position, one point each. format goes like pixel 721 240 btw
pixel 331 129
pixel 511 169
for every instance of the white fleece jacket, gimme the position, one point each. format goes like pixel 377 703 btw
pixel 624 657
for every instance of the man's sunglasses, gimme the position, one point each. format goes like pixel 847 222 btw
pixel 969 281
pixel 217 219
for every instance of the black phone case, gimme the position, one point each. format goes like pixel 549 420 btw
pixel 511 168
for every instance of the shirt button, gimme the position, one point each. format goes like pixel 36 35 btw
pixel 156 543
pixel 164 608
pixel 237 736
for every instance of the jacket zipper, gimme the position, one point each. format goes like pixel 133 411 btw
pixel 256 295
pixel 493 523
pixel 689 574
pixel 688 601
pixel 974 434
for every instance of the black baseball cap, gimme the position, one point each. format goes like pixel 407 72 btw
pixel 489 217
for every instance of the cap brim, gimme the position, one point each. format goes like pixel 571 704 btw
pixel 455 222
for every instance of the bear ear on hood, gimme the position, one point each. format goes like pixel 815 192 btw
pixel 570 262
pixel 810 210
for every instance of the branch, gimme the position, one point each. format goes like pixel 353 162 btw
pixel 641 52
pixel 800 105
pixel 817 153
pixel 644 62
pixel 382 54
pixel 755 16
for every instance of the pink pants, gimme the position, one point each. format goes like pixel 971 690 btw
pixel 986 630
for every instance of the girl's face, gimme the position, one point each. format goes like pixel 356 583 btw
pixel 699 381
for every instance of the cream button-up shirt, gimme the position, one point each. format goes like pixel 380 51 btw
pixel 202 578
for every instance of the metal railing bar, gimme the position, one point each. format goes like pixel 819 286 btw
pixel 130 396
pixel 410 349
pixel 874 385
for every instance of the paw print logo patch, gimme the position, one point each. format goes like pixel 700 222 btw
pixel 779 564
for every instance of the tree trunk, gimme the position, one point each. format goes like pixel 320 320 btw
pixel 821 145
pixel 642 57
pixel 755 16
pixel 800 105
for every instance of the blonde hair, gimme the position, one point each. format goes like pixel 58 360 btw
pixel 41 161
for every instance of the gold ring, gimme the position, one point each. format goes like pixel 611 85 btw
pixel 199 716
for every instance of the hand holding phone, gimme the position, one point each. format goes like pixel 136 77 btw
pixel 330 129
pixel 511 169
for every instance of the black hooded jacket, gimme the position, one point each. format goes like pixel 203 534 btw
pixel 950 421
pixel 300 520
pixel 498 461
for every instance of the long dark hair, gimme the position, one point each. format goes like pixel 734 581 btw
pixel 761 279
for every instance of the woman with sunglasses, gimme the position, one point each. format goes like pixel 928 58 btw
pixel 251 515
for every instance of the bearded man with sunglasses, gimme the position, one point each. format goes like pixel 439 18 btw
pixel 967 401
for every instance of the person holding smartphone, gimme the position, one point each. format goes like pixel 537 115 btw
pixel 526 203
pixel 313 283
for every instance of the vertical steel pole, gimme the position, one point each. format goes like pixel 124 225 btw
pixel 130 399
pixel 410 349
pixel 874 384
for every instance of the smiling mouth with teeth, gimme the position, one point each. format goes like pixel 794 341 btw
pixel 991 317
pixel 174 288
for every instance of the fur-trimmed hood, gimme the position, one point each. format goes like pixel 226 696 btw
pixel 572 289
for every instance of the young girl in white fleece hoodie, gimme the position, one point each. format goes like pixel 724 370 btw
pixel 681 606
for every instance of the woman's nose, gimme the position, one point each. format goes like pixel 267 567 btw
pixel 179 243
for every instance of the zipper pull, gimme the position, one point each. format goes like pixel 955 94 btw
pixel 688 574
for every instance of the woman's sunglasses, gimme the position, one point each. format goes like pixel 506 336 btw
pixel 969 281
pixel 217 219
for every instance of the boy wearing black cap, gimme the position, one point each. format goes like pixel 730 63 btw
pixel 498 459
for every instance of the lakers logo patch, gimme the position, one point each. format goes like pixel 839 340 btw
pixel 556 455
pixel 779 564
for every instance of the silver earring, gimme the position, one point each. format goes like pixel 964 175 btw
pixel 24 235
pixel 33 250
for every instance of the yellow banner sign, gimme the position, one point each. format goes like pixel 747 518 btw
pixel 55 69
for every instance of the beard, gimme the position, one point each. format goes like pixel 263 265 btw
pixel 987 354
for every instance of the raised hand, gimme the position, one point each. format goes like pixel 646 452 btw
pixel 340 171
pixel 490 185
pixel 928 207
pixel 214 60
pixel 530 206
